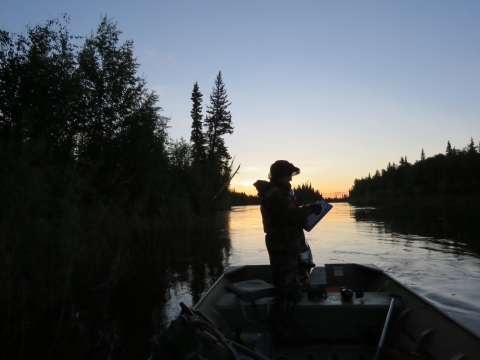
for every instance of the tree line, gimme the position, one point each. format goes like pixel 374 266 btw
pixel 304 193
pixel 455 173
pixel 91 185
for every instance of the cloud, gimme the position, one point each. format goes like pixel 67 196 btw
pixel 160 89
pixel 150 51
pixel 158 58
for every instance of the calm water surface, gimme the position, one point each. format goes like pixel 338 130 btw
pixel 444 271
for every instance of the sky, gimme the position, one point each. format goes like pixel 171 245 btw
pixel 338 88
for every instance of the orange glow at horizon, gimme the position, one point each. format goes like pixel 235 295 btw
pixel 331 178
pixel 330 193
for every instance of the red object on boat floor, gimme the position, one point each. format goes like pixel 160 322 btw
pixel 333 289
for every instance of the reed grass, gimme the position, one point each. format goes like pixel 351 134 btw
pixel 69 251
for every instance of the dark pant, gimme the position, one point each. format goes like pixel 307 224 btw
pixel 283 252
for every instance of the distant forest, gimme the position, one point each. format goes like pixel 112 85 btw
pixel 91 184
pixel 440 194
pixel 304 193
pixel 455 173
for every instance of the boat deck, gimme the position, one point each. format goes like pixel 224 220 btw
pixel 327 318
pixel 340 329
pixel 328 351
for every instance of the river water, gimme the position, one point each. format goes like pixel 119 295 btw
pixel 446 271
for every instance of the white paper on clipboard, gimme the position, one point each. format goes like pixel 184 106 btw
pixel 313 219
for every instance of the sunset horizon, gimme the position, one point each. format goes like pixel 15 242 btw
pixel 340 90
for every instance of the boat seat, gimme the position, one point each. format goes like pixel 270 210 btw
pixel 328 318
pixel 256 289
pixel 251 289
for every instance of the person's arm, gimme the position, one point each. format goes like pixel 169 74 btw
pixel 278 203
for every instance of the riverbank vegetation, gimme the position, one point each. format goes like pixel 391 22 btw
pixel 445 186
pixel 93 190
pixel 304 193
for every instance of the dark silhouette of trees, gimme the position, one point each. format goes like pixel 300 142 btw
pixel 218 123
pixel 449 148
pixel 305 193
pixel 210 161
pixel 439 194
pixel 122 130
pixel 91 186
pixel 422 155
pixel 455 174
pixel 197 137
pixel 86 106
pixel 472 149
pixel 40 89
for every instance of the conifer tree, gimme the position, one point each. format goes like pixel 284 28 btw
pixel 449 147
pixel 197 137
pixel 218 123
pixel 471 147
pixel 422 155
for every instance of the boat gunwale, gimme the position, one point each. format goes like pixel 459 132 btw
pixel 433 306
pixel 234 269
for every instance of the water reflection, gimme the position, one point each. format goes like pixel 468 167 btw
pixel 119 321
pixel 444 270
pixel 200 263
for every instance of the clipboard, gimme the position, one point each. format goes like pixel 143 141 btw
pixel 313 219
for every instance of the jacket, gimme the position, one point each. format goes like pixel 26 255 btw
pixel 279 208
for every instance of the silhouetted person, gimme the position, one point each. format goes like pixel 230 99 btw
pixel 283 221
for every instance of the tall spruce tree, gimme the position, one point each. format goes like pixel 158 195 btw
pixel 197 138
pixel 471 147
pixel 218 123
pixel 449 147
pixel 422 155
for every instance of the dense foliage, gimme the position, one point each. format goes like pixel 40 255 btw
pixel 305 193
pixel 456 173
pixel 439 194
pixel 91 186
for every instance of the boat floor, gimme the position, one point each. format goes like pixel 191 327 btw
pixel 343 329
pixel 326 351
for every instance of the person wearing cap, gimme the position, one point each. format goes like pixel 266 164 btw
pixel 283 221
